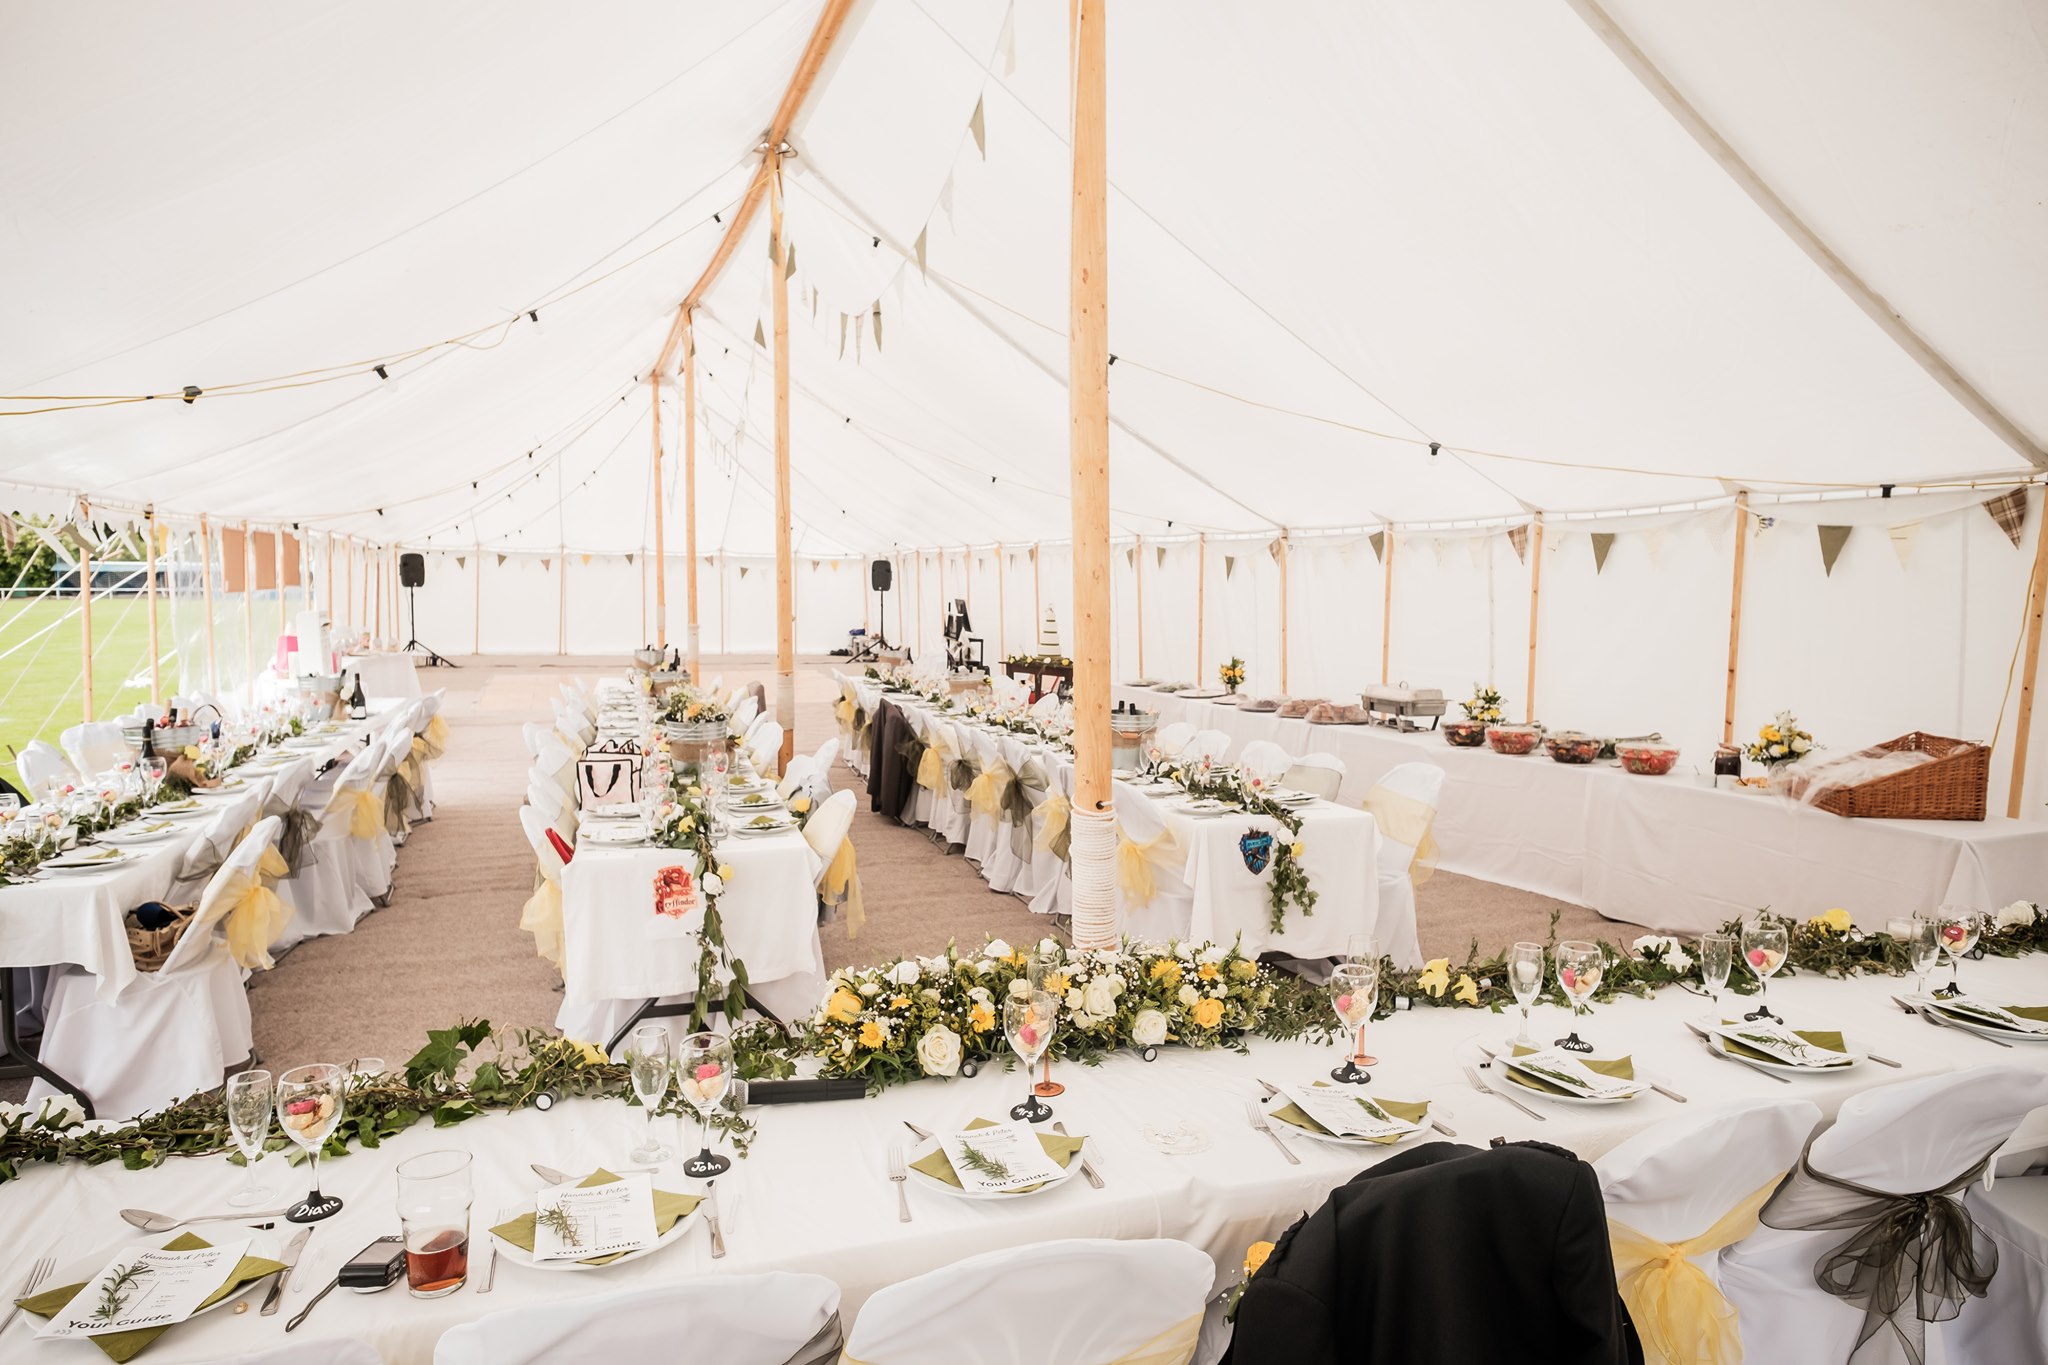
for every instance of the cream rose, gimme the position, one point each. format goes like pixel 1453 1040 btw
pixel 2018 915
pixel 1074 998
pixel 938 1052
pixel 1189 995
pixel 1099 996
pixel 1149 1028
pixel 996 948
pixel 1020 987
pixel 905 973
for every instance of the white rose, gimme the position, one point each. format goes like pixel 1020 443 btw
pixel 1800 746
pixel 1149 1028
pixel 846 1045
pixel 980 996
pixel 929 997
pixel 905 974
pixel 1189 995
pixel 1212 953
pixel 1184 952
pixel 2018 915
pixel 1020 988
pixel 1678 960
pixel 712 883
pixel 996 948
pixel 1073 1000
pixel 937 966
pixel 871 989
pixel 1048 947
pixel 1085 1020
pixel 1100 995
pixel 938 1052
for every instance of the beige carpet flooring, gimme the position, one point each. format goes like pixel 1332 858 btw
pixel 449 946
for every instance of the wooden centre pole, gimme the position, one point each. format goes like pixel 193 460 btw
pixel 690 491
pixel 206 590
pixel 785 568
pixel 156 691
pixel 1535 602
pixel 1002 605
pixel 277 574
pixel 1201 599
pixel 2037 597
pixel 1386 604
pixel 248 611
pixel 1138 570
pixel 1735 615
pixel 660 542
pixel 1283 613
pixel 85 601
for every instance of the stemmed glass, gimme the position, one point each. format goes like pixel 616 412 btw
pixel 1958 930
pixel 1029 1024
pixel 706 1064
pixel 1354 990
pixel 1579 967
pixel 153 770
pixel 650 1064
pixel 249 1097
pixel 1763 949
pixel 309 1105
pixel 1525 977
pixel 1717 959
pixel 1923 949
pixel 1047 975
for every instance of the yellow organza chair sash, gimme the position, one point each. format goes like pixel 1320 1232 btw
pixel 841 885
pixel 1406 821
pixel 541 916
pixel 397 796
pixel 843 709
pixel 1682 1317
pixel 1174 1346
pixel 255 914
pixel 1135 860
pixel 415 765
pixel 365 812
pixel 436 737
pixel 1056 836
pixel 985 794
pixel 931 770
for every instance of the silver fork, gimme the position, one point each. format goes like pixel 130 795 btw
pixel 30 1282
pixel 901 1175
pixel 1258 1118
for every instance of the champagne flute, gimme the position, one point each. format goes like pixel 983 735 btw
pixel 1579 967
pixel 649 1064
pixel 249 1096
pixel 706 1064
pixel 1361 949
pixel 1923 948
pixel 309 1104
pixel 1717 959
pixel 1763 949
pixel 1958 929
pixel 1525 977
pixel 1047 973
pixel 1029 1022
pixel 1354 991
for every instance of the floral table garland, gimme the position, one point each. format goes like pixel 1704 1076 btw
pixel 1289 884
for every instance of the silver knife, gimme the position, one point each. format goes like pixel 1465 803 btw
pixel 1472 1075
pixel 922 1135
pixel 1087 1166
pixel 292 1251
pixel 1434 1122
pixel 711 1221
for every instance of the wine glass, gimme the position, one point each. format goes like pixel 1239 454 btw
pixel 649 1063
pixel 249 1096
pixel 1525 978
pixel 1579 967
pixel 1717 959
pixel 1047 973
pixel 1923 948
pixel 309 1105
pixel 1361 949
pixel 153 770
pixel 1957 929
pixel 1763 949
pixel 1354 991
pixel 1029 1022
pixel 705 1061
pixel 10 806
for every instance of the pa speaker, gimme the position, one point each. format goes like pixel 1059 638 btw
pixel 880 574
pixel 412 571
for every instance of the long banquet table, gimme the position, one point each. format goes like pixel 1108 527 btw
pixel 1664 851
pixel 814 1195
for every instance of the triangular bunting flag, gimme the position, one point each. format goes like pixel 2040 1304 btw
pixel 629 559
pixel 1437 546
pixel 8 535
pixel 1159 558
pixel 1034 554
pixel 1478 547
pixel 789 261
pixel 979 129
pixel 1832 539
pixel 2009 510
pixel 1902 542
pixel 501 561
pixel 743 571
pixel 1347 551
pixel 919 247
pixel 547 566
pixel 1379 545
pixel 1131 560
pixel 760 337
pixel 878 325
pixel 1603 541
pixel 1653 544
pixel 842 336
pixel 1006 41
pixel 1276 548
pixel 586 559
pixel 461 561
pixel 1518 537
pixel 1229 565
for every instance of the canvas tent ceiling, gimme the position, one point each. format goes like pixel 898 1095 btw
pixel 1462 222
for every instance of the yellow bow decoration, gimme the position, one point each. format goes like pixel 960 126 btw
pixel 1134 862
pixel 841 884
pixel 843 709
pixel 931 770
pixel 1405 820
pixel 1682 1317
pixel 1053 836
pixel 541 916
pixel 414 765
pixel 436 737
pixel 1174 1346
pixel 365 811
pixel 255 915
pixel 985 793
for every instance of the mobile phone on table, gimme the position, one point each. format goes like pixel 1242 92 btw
pixel 377 1266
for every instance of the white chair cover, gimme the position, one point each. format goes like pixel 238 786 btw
pixel 1906 1138
pixel 171 1032
pixel 1050 882
pixel 1112 1297
pixel 95 746
pixel 41 763
pixel 1169 913
pixel 800 768
pixel 531 732
pixel 369 860
pixel 1322 774
pixel 984 831
pixel 821 766
pixel 1209 744
pixel 1409 783
pixel 1265 760
pixel 745 709
pixel 765 745
pixel 2012 1322
pixel 948 812
pixel 1171 739
pixel 732 1320
pixel 203 857
pixel 555 759
pixel 326 898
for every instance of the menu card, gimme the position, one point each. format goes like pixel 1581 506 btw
pixel 1000 1157
pixel 1781 1044
pixel 1565 1071
pixel 146 1287
pixel 1346 1113
pixel 579 1222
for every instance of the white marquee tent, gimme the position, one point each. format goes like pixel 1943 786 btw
pixel 1388 281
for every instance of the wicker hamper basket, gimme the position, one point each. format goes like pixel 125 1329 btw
pixel 1950 787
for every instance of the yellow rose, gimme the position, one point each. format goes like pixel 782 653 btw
pixel 1296 849
pixel 689 823
pixel 981 1019
pixel 1167 970
pixel 843 1007
pixel 1208 1013
pixel 1837 920
pixel 1244 969
pixel 1771 734
pixel 1207 971
pixel 1436 976
pixel 871 1034
pixel 801 804
pixel 725 872
pixel 586 1052
pixel 1467 991
pixel 1255 1256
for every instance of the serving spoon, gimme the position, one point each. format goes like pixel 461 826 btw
pixel 163 1222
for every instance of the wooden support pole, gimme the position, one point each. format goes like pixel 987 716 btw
pixel 1088 439
pixel 660 540
pixel 690 492
pixel 206 589
pixel 1002 605
pixel 277 573
pixel 348 592
pixel 476 616
pixel 1535 603
pixel 1386 604
pixel 1138 574
pixel 1201 601
pixel 785 566
pixel 919 645
pixel 1283 613
pixel 85 602
pixel 1735 615
pixel 1037 607
pixel 248 611
pixel 2037 597
pixel 326 579
pixel 156 690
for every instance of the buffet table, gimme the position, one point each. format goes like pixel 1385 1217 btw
pixel 814 1196
pixel 1671 852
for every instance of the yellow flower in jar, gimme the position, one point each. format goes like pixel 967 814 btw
pixel 1436 976
pixel 871 1034
pixel 1770 734
pixel 1467 992
pixel 1167 970
pixel 1207 1013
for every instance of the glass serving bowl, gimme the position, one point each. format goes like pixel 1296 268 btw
pixel 1513 739
pixel 1569 746
pixel 1465 734
pixel 1648 760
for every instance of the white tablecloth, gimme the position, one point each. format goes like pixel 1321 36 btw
pixel 814 1195
pixel 386 675
pixel 1664 851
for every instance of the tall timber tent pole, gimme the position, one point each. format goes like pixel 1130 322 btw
pixel 206 590
pixel 156 690
pixel 2037 598
pixel 660 541
pixel 785 569
pixel 85 600
pixel 1735 615
pixel 690 493
pixel 248 611
pixel 1535 606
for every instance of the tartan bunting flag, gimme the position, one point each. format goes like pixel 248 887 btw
pixel 2009 510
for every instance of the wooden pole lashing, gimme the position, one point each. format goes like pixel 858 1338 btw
pixel 1535 605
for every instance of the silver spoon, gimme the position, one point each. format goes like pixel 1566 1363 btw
pixel 163 1222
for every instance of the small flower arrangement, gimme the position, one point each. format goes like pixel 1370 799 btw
pixel 689 706
pixel 1231 673
pixel 1781 741
pixel 1484 706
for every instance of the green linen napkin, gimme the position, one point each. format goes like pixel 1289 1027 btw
pixel 669 1209
pixel 1818 1037
pixel 127 1345
pixel 1400 1109
pixel 1060 1149
pixel 1621 1068
pixel 2037 1013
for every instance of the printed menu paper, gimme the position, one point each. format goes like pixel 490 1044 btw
pixel 595 1220
pixel 1346 1113
pixel 1567 1072
pixel 145 1287
pixel 1781 1044
pixel 1004 1156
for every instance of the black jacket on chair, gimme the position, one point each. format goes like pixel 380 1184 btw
pixel 1444 1255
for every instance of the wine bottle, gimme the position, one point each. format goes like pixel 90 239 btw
pixel 358 704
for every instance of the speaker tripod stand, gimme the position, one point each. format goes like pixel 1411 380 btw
pixel 413 645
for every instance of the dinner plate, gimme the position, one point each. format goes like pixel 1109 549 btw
pixel 767 802
pixel 143 834
pixel 1497 1077
pixel 99 860
pixel 1756 1057
pixel 623 836
pixel 1337 1140
pixel 172 810
pixel 261 1244
pixel 748 826
pixel 929 1145
pixel 1287 796
pixel 227 788
pixel 307 742
pixel 1208 808
pixel 519 1255
pixel 1980 1027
